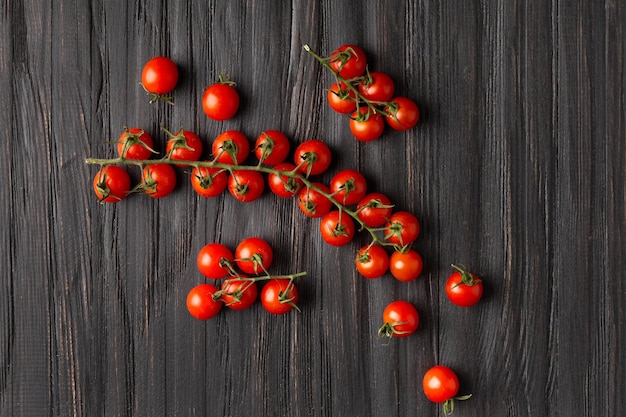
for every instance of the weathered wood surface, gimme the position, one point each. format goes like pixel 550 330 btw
pixel 517 170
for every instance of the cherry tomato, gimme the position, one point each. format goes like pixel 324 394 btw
pixel 372 261
pixel 220 101
pixel 230 147
pixel 312 157
pixel 337 228
pixel 201 304
pixel 403 113
pixel 158 180
pixel 183 146
pixel 111 184
pixel 135 143
pixel 312 203
pixel 341 99
pixel 246 185
pixel 400 319
pixel 159 76
pixel 374 209
pixel 239 294
pixel 282 185
pixel 215 260
pixel 272 147
pixel 254 256
pixel 279 296
pixel 348 186
pixel 377 86
pixel 405 265
pixel 349 61
pixel 464 288
pixel 209 181
pixel 366 125
pixel 441 385
pixel 402 228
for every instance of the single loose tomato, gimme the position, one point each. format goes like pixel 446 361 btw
pixel 348 186
pixel 372 261
pixel 208 181
pixel 183 146
pixel 312 157
pixel 201 302
pixel 402 113
pixel 239 294
pixel 464 288
pixel 402 228
pixel 220 101
pixel 111 184
pixel 337 228
pixel 230 147
pixel 254 256
pixel 374 209
pixel 441 385
pixel 159 76
pixel 366 125
pixel 158 180
pixel 313 203
pixel 215 260
pixel 349 61
pixel 341 99
pixel 279 296
pixel 400 319
pixel 284 186
pixel 135 143
pixel 405 265
pixel 377 87
pixel 246 185
pixel 272 147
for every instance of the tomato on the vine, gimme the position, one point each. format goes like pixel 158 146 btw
pixel 464 288
pixel 111 184
pixel 230 147
pixel 220 101
pixel 272 147
pixel 209 181
pixel 312 203
pixel 246 185
pixel 400 319
pixel 239 294
pixel 279 296
pixel 402 228
pixel 405 265
pixel 183 146
pixel 215 260
pixel 377 87
pixel 201 304
pixel 402 113
pixel 312 157
pixel 158 180
pixel 372 261
pixel 441 385
pixel 135 143
pixel 337 228
pixel 340 98
pixel 374 209
pixel 159 75
pixel 254 255
pixel 283 185
pixel 348 186
pixel 366 125
pixel 349 61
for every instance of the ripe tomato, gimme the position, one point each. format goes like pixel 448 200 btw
pixel 254 256
pixel 374 209
pixel 111 184
pixel 349 61
pixel 272 147
pixel 400 319
pixel 341 99
pixel 215 260
pixel 337 228
pixel 372 261
pixel 348 186
pixel 135 143
pixel 159 76
pixel 405 265
pixel 312 203
pixel 440 384
pixel 220 101
pixel 366 125
pixel 239 294
pixel 312 157
pixel 403 113
pixel 201 304
pixel 377 86
pixel 402 228
pixel 230 147
pixel 283 185
pixel 246 185
pixel 279 296
pixel 158 180
pixel 464 288
pixel 183 146
pixel 209 181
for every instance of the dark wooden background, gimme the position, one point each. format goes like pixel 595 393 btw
pixel 517 171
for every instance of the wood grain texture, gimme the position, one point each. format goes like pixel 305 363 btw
pixel 517 171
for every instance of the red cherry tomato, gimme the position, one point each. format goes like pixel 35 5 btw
pixel 402 228
pixel 135 143
pixel 372 261
pixel 282 185
pixel 220 101
pixel 183 146
pixel 374 209
pixel 246 185
pixel 312 157
pixel 215 260
pixel 341 99
pixel 201 304
pixel 349 61
pixel 254 256
pixel 403 113
pixel 272 147
pixel 111 184
pixel 209 181
pixel 279 296
pixel 441 385
pixel 230 147
pixel 365 125
pixel 464 288
pixel 239 294
pixel 400 319
pixel 312 203
pixel 377 86
pixel 337 228
pixel 405 265
pixel 158 180
pixel 159 76
pixel 348 186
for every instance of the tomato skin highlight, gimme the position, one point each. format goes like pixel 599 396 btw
pixel 279 296
pixel 159 75
pixel 111 184
pixel 220 101
pixel 201 304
